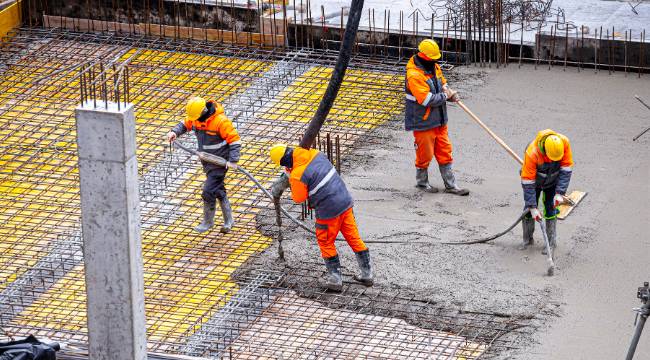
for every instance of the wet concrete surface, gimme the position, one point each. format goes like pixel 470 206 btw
pixel 603 245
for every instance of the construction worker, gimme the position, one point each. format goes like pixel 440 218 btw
pixel 311 176
pixel 216 135
pixel 426 115
pixel 547 171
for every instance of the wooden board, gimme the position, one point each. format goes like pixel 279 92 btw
pixel 565 210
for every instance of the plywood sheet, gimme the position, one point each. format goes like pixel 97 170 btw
pixel 576 196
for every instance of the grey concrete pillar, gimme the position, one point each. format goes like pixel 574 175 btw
pixel 110 216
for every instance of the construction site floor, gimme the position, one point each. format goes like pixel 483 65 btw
pixel 227 296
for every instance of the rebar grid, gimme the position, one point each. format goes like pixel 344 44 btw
pixel 193 306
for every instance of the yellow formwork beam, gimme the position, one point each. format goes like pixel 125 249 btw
pixel 10 19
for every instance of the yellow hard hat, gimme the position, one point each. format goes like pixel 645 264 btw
pixel 277 152
pixel 195 107
pixel 430 49
pixel 554 147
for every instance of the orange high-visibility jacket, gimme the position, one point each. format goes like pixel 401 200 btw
pixel 314 177
pixel 425 100
pixel 216 135
pixel 539 171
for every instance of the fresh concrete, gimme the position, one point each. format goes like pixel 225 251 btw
pixel 584 311
pixel 111 232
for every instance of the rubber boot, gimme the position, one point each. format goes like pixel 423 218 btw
pixel 551 233
pixel 226 211
pixel 208 218
pixel 363 259
pixel 450 181
pixel 422 181
pixel 334 280
pixel 528 225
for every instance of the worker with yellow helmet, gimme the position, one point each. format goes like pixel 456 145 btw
pixel 426 115
pixel 546 171
pixel 311 176
pixel 215 134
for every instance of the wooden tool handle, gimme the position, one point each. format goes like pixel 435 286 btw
pixel 494 136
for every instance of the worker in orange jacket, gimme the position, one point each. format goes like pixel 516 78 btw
pixel 426 115
pixel 546 171
pixel 311 176
pixel 215 135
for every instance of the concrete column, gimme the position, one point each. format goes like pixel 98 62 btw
pixel 110 216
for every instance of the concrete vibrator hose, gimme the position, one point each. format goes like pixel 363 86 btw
pixel 492 237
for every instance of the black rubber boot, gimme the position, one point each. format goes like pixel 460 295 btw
pixel 226 211
pixel 363 259
pixel 334 280
pixel 208 218
pixel 528 225
pixel 449 179
pixel 422 181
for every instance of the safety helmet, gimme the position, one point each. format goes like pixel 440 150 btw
pixel 554 147
pixel 195 107
pixel 430 49
pixel 277 152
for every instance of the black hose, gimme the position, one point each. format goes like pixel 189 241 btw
pixel 311 231
pixel 493 237
pixel 316 122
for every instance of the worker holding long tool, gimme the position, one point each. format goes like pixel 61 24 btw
pixel 546 171
pixel 215 135
pixel 426 115
pixel 311 176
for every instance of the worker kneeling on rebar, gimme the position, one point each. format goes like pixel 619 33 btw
pixel 547 172
pixel 426 115
pixel 312 177
pixel 215 135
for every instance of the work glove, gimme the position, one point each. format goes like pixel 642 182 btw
pixel 171 136
pixel 452 95
pixel 557 200
pixel 280 185
pixel 231 165
pixel 534 212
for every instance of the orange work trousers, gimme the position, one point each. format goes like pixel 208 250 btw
pixel 430 143
pixel 328 229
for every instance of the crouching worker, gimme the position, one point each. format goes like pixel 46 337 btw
pixel 215 135
pixel 311 176
pixel 547 172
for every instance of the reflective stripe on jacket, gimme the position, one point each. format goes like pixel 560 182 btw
pixel 425 100
pixel 313 177
pixel 539 171
pixel 216 135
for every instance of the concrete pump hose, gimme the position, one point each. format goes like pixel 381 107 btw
pixel 351 27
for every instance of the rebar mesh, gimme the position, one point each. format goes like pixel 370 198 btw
pixel 193 304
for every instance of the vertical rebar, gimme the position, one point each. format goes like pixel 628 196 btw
pixel 641 51
pixel 338 154
pixel 609 53
pixel 625 53
pixel 566 45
